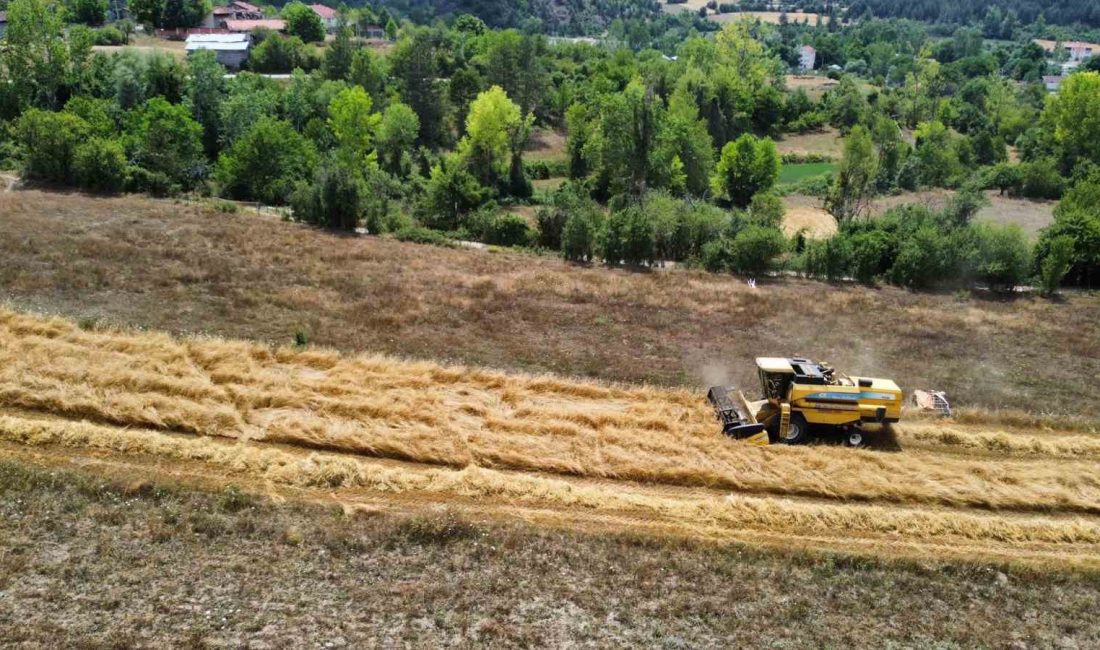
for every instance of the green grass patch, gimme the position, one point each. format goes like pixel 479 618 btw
pixel 790 174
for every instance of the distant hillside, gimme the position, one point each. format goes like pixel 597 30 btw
pixel 554 16
pixel 1060 12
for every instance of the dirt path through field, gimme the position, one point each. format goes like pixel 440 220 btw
pixel 369 431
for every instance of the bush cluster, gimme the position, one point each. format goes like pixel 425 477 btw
pixel 916 247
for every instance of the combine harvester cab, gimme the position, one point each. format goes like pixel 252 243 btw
pixel 800 395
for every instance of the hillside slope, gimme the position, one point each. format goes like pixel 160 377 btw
pixel 183 269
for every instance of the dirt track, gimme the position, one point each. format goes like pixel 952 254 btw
pixel 375 432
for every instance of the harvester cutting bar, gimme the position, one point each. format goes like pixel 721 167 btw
pixel 733 412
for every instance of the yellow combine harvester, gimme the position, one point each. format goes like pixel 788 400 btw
pixel 800 395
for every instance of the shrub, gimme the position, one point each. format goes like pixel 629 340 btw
pixel 139 179
pixel 500 230
pixel 920 260
pixel 814 259
pixel 279 54
pixel 422 235
pixel 1077 217
pixel 100 165
pixel 266 163
pixel 1040 179
pixel 451 193
pixel 869 254
pixel 1004 177
pixel 543 169
pixel 806 122
pixel 1003 255
pixel 165 139
pixel 717 255
pixel 767 209
pixel 692 226
pixel 755 247
pixel 811 185
pixel 49 141
pixel 630 237
pixel 569 199
pixel 804 158
pixel 581 234
pixel 334 199
pixel 109 35
pixel 1056 264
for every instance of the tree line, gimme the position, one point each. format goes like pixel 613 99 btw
pixel 668 158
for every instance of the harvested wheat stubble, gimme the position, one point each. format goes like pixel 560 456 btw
pixel 454 416
pixel 1078 539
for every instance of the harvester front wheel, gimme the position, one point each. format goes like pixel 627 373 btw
pixel 798 432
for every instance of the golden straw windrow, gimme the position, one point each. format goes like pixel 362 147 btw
pixel 1074 540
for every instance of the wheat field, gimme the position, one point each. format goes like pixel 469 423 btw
pixel 315 418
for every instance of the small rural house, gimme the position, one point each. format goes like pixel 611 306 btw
pixel 374 32
pixel 1078 51
pixel 328 16
pixel 231 50
pixel 235 10
pixel 1053 82
pixel 807 57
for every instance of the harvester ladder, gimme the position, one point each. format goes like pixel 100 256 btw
pixel 784 420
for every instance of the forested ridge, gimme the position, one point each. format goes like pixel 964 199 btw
pixel 1059 12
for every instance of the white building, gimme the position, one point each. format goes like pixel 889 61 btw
pixel 230 49
pixel 1053 82
pixel 1078 51
pixel 807 57
pixel 329 18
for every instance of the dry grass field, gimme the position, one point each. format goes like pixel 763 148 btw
pixel 1030 214
pixel 689 5
pixel 185 269
pixel 806 214
pixel 814 85
pixel 546 144
pixel 105 556
pixel 827 142
pixel 772 17
pixel 144 44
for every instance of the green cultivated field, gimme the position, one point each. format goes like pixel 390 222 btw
pixel 789 174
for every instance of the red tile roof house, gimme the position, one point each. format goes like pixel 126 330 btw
pixel 236 10
pixel 328 16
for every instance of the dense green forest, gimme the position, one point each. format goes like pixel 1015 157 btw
pixel 669 151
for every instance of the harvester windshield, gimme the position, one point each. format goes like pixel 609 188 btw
pixel 776 375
